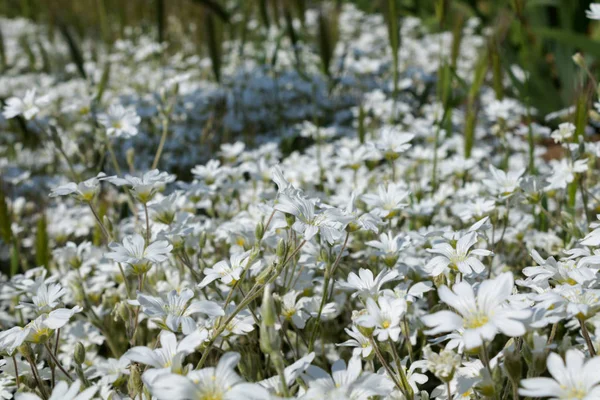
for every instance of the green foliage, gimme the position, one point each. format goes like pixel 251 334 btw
pixel 538 35
pixel 42 252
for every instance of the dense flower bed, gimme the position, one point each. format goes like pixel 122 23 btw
pixel 288 234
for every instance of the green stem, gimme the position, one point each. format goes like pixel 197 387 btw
pixel 329 273
pixel 386 366
pixel 252 294
pixel 148 232
pixel 16 371
pixel 36 376
pixel 56 362
pixel 586 336
pixel 161 144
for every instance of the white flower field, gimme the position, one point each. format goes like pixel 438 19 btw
pixel 319 203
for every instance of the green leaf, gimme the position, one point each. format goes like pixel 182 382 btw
pixel 74 49
pixel 578 41
pixel 5 231
pixel 215 8
pixel 42 253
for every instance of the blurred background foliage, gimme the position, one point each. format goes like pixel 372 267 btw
pixel 540 36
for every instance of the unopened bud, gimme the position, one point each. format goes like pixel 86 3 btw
pixel 269 339
pixel 264 275
pixel 281 249
pixel 290 219
pixel 134 384
pixel 202 241
pixel 259 231
pixel 579 60
pixel 79 353
pixel 324 255
pixel 268 307
pixel 25 349
pixel 121 311
pixel 512 363
pixel 129 157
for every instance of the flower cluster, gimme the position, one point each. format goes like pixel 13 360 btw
pixel 385 255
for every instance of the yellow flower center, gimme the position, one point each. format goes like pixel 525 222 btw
pixel 574 392
pixel 476 320
pixel 386 324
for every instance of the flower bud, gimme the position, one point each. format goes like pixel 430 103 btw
pixel 282 249
pixel 121 311
pixel 512 363
pixel 269 339
pixel 579 60
pixel 79 356
pixel 134 384
pixel 25 349
pixel 324 256
pixel 259 231
pixel 264 275
pixel 268 312
pixel 129 157
pixel 290 219
pixel 202 241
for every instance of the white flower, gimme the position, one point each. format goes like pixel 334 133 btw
pixel 557 272
pixel 345 382
pixel 460 258
pixel 230 151
pixel 221 382
pixel 210 173
pixel 111 369
pixel 364 221
pixel 364 285
pixel 573 379
pixel 62 391
pixel 28 106
pixel 391 142
pixel 593 12
pixel 388 201
pixel 134 252
pixel 385 316
pixel 389 246
pixel 228 271
pixel 292 309
pixel 329 222
pixel 145 187
pixel 171 353
pixel 362 345
pixel 47 297
pixel 593 238
pixel 120 121
pixel 479 318
pixel 84 191
pixel 501 183
pixel 442 364
pixel 12 338
pixel 291 373
pixel 564 171
pixel 175 313
pixel 41 328
pixel 563 133
pixel 573 301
